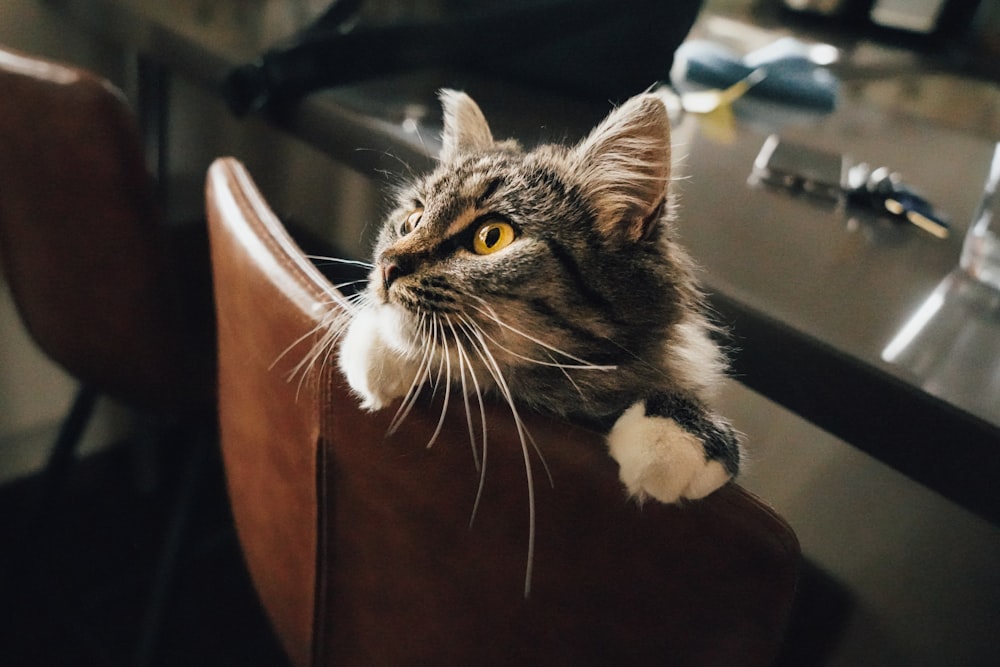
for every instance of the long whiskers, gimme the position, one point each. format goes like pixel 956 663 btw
pixel 581 364
pixel 327 331
pixel 447 348
pixel 492 365
pixel 340 260
pixel 419 379
pixel 444 365
pixel 489 361
pixel 466 363
pixel 463 369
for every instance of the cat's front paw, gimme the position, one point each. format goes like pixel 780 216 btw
pixel 660 459
pixel 377 374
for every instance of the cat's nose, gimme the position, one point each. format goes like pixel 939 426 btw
pixel 394 267
pixel 390 271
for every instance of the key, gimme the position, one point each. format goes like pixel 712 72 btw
pixel 884 191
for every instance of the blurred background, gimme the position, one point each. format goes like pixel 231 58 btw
pixel 896 574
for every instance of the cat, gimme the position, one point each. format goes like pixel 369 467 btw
pixel 551 275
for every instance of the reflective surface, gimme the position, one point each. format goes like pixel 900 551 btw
pixel 847 279
pixel 949 344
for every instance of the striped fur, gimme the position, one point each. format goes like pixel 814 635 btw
pixel 591 313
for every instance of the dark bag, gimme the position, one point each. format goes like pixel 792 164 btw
pixel 603 49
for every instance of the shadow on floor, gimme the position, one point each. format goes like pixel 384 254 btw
pixel 76 592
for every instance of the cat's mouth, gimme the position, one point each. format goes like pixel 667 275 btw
pixel 419 296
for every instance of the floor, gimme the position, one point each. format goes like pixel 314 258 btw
pixel 78 592
pixel 898 574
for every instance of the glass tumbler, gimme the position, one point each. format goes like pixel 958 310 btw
pixel 981 250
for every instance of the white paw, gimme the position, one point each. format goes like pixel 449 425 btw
pixel 376 373
pixel 659 459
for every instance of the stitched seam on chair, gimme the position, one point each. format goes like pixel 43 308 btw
pixel 324 509
pixel 244 195
pixel 319 635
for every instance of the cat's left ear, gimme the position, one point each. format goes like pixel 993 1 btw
pixel 465 126
pixel 624 166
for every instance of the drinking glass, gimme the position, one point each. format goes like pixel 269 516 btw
pixel 981 249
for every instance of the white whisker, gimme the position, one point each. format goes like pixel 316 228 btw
pixel 340 260
pixel 493 367
pixel 332 326
pixel 587 366
pixel 569 378
pixel 483 337
pixel 419 378
pixel 489 312
pixel 446 365
pixel 350 283
pixel 434 346
pixel 480 462
pixel 335 320
pixel 460 353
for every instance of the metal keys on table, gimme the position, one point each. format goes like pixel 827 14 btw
pixel 834 177
pixel 884 191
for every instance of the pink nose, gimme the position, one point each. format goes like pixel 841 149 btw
pixel 390 271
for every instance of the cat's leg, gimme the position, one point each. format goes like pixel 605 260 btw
pixel 376 372
pixel 671 448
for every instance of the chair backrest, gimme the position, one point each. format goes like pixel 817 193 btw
pixel 360 544
pixel 81 244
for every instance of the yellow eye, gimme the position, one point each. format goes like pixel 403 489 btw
pixel 492 237
pixel 412 220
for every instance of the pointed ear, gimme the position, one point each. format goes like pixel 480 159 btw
pixel 465 127
pixel 624 167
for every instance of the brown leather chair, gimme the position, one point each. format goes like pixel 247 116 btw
pixel 88 262
pixel 106 290
pixel 360 545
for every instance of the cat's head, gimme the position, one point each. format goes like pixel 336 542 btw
pixel 552 248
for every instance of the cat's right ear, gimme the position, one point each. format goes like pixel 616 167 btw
pixel 465 126
pixel 624 165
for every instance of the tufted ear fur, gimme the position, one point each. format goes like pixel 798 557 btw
pixel 465 127
pixel 624 166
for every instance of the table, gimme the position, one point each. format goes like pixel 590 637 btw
pixel 821 303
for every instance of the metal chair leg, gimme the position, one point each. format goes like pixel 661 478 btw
pixel 53 477
pixel 166 566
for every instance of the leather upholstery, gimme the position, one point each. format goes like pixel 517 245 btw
pixel 82 247
pixel 269 426
pixel 360 544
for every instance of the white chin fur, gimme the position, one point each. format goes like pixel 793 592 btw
pixel 393 325
pixel 372 357
pixel 659 459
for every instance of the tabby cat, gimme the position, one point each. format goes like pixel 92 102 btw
pixel 552 278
